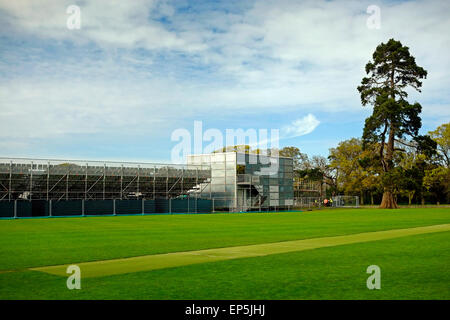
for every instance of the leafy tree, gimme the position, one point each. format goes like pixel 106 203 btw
pixel 294 153
pixel 411 168
pixel 442 138
pixel 437 180
pixel 356 170
pixel 314 174
pixel 391 72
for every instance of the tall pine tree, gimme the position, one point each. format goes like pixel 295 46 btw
pixel 391 72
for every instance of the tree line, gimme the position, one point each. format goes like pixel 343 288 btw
pixel 418 177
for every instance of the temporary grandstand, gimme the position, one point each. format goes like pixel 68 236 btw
pixel 35 187
pixel 214 182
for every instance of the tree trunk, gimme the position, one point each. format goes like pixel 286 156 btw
pixel 388 201
pixel 410 197
pixel 362 198
pixel 371 198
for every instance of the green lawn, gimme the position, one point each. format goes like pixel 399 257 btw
pixel 414 267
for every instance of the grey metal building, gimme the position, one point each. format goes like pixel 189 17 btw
pixel 243 181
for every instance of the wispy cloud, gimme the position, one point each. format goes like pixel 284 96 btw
pixel 300 127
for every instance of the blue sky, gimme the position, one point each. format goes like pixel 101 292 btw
pixel 117 88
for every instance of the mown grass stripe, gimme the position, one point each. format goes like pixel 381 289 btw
pixel 176 259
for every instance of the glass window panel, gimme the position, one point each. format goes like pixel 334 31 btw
pixel 231 157
pixel 231 179
pixel 205 158
pixel 217 188
pixel 217 167
pixel 218 157
pixel 240 158
pixel 230 188
pixel 231 172
pixel 218 180
pixel 231 165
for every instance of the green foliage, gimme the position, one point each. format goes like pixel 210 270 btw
pixel 357 170
pixel 442 138
pixel 426 145
pixel 314 174
pixel 392 70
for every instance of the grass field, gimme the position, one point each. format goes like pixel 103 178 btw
pixel 413 265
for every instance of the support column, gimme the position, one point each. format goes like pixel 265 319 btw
pixel 210 177
pixel 67 185
pixel 182 179
pixel 104 179
pixel 31 180
pixel 48 177
pixel 154 182
pixel 196 193
pixel 167 184
pixel 138 178
pixel 85 182
pixel 260 202
pixel 10 181
pixel 121 184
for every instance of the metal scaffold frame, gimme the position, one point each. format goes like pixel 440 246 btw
pixel 42 179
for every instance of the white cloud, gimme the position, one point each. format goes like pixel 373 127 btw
pixel 114 24
pixel 269 56
pixel 300 127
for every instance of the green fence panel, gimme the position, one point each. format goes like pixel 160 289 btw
pixel 128 206
pixel 24 209
pixel 192 205
pixel 204 206
pixel 6 209
pixel 42 208
pixel 179 206
pixel 149 206
pixel 39 208
pixel 98 207
pixel 67 208
pixel 162 206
